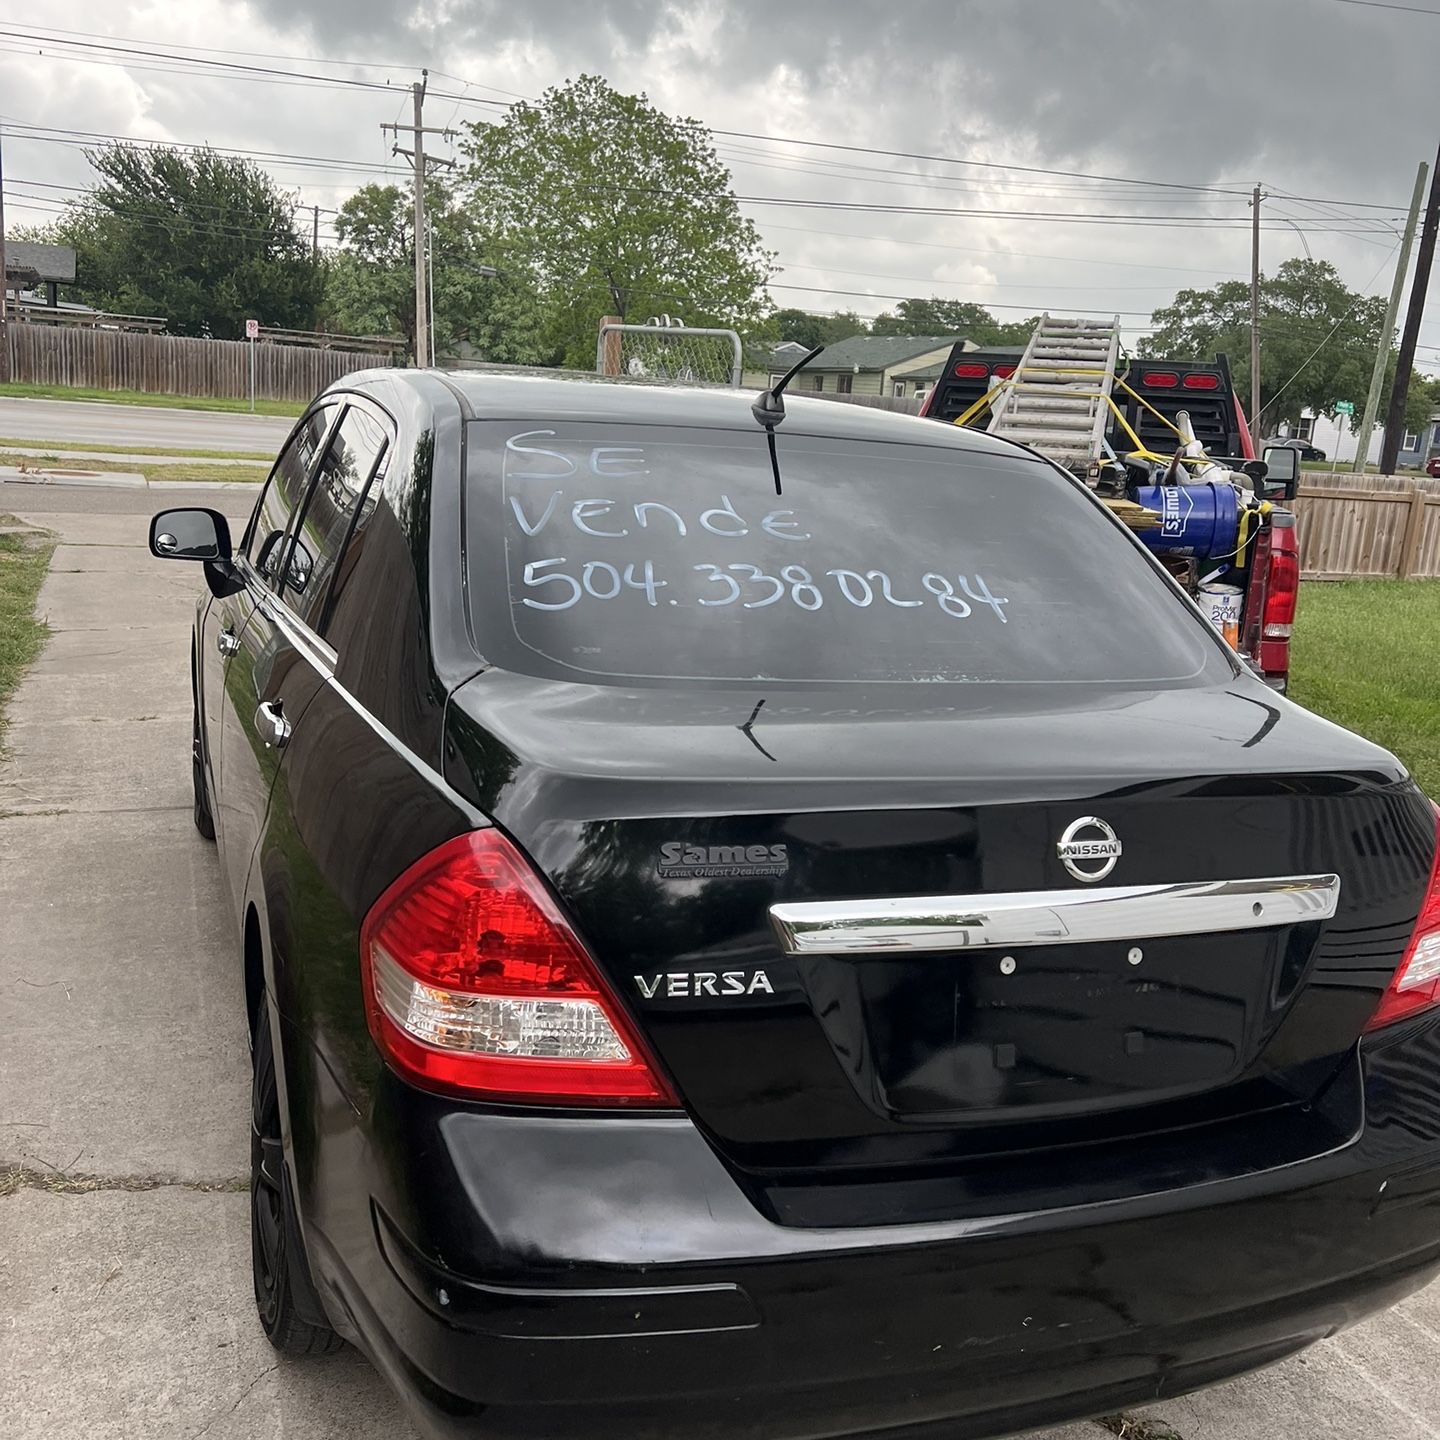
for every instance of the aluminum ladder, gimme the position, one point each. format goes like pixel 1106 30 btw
pixel 1057 400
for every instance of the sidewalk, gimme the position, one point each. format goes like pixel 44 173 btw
pixel 125 1304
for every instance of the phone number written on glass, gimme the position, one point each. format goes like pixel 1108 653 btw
pixel 559 584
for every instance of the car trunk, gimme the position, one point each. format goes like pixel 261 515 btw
pixel 670 823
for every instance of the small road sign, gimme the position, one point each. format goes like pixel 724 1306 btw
pixel 1344 407
pixel 252 329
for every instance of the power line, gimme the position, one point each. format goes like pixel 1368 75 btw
pixel 149 58
pixel 151 54
pixel 148 55
pixel 1170 222
pixel 989 305
pixel 973 284
pixel 193 204
pixel 85 139
pixel 173 224
pixel 1386 5
pixel 978 250
pixel 929 179
pixel 219 50
pixel 234 69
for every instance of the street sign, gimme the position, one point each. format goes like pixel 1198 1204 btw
pixel 1344 407
pixel 252 329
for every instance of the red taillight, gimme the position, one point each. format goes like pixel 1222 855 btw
pixel 1202 382
pixel 1282 590
pixel 475 985
pixel 1416 984
pixel 1160 380
pixel 971 372
pixel 1004 372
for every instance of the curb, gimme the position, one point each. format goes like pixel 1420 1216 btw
pixel 113 480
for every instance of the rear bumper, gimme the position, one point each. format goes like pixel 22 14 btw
pixel 592 1277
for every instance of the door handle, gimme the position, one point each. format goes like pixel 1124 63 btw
pixel 270 721
pixel 227 642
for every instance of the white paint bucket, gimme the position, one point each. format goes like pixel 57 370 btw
pixel 1221 604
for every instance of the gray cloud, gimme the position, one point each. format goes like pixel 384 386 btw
pixel 1314 97
pixel 1198 88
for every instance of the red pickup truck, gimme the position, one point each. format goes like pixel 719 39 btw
pixel 1259 556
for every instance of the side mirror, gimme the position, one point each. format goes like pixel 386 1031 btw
pixel 1282 472
pixel 297 572
pixel 190 535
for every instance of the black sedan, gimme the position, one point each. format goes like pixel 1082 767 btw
pixel 1306 451
pixel 819 948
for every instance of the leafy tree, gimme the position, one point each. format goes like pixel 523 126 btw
pixel 615 208
pixel 811 330
pixel 205 240
pixel 371 284
pixel 1317 337
pixel 951 317
pixel 1422 398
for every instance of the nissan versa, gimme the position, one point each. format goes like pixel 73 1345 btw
pixel 806 942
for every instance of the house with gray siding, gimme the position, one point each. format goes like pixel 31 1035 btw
pixel 899 365
pixel 878 365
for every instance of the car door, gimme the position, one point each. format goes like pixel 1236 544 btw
pixel 281 660
pixel 358 797
pixel 228 616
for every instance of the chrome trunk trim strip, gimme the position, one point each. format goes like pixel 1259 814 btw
pixel 1052 917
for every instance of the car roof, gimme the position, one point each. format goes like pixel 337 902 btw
pixel 540 396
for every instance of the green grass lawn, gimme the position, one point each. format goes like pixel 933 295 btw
pixel 58 447
pixel 140 397
pixel 24 560
pixel 1366 654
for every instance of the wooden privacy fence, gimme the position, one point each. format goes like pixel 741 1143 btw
pixel 1358 526
pixel 176 364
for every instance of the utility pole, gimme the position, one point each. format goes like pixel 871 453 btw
pixel 4 288
pixel 1382 348
pixel 1395 419
pixel 315 235
pixel 1255 320
pixel 419 130
pixel 430 280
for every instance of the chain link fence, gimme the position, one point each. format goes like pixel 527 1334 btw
pixel 681 353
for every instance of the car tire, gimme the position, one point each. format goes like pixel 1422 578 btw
pixel 204 816
pixel 276 1247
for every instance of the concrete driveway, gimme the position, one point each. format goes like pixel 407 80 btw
pixel 125 1305
pixel 100 424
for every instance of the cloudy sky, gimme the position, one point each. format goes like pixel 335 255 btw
pixel 1330 104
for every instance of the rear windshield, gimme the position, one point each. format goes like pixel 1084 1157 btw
pixel 607 550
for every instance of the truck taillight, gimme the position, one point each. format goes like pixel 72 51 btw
pixel 476 986
pixel 1282 590
pixel 1415 986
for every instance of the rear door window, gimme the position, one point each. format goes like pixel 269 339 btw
pixel 600 550
pixel 332 509
pixel 268 526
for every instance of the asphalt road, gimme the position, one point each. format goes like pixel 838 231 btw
pixel 84 424
pixel 125 1292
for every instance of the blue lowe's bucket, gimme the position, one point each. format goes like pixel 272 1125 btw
pixel 1200 520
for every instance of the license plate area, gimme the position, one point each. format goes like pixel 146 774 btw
pixel 1046 1029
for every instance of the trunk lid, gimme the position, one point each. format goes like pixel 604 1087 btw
pixel 670 822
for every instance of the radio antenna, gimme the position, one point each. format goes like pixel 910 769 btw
pixel 769 408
